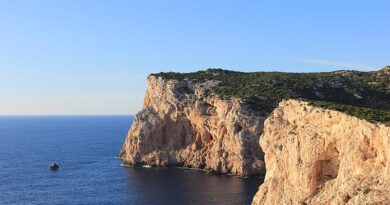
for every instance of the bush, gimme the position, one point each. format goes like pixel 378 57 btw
pixel 366 191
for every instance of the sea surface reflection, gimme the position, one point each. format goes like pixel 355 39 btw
pixel 162 186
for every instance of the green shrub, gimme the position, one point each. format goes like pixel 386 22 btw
pixel 366 191
pixel 372 115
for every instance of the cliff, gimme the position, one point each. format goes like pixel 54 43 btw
pixel 213 119
pixel 183 123
pixel 320 156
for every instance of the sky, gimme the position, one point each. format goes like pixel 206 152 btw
pixel 86 57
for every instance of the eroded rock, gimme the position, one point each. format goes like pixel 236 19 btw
pixel 182 124
pixel 318 156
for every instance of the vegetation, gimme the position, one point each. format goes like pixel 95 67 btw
pixel 366 191
pixel 362 94
pixel 372 115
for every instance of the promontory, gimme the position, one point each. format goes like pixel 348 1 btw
pixel 319 138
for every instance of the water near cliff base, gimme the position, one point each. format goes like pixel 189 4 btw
pixel 89 173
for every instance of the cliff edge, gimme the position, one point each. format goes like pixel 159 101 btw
pixel 183 123
pixel 320 156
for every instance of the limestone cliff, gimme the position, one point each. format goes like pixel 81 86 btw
pixel 182 123
pixel 319 156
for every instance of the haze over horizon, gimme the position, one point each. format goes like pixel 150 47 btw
pixel 92 57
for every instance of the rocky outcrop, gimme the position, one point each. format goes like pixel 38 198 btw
pixel 319 156
pixel 386 69
pixel 54 167
pixel 183 124
pixel 313 155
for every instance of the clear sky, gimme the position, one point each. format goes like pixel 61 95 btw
pixel 92 57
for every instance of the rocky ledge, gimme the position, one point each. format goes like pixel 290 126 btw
pixel 319 156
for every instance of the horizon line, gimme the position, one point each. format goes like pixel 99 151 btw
pixel 61 115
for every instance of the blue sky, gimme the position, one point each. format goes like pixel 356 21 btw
pixel 92 57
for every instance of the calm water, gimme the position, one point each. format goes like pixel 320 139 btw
pixel 85 148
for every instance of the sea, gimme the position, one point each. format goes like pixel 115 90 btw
pixel 86 147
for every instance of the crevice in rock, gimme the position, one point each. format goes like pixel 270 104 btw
pixel 237 128
pixel 346 198
pixel 206 137
pixel 327 168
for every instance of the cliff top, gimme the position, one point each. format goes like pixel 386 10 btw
pixel 362 94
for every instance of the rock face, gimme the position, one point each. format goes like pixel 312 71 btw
pixel 318 156
pixel 183 124
pixel 313 155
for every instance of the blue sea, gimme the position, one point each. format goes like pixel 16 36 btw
pixel 85 148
